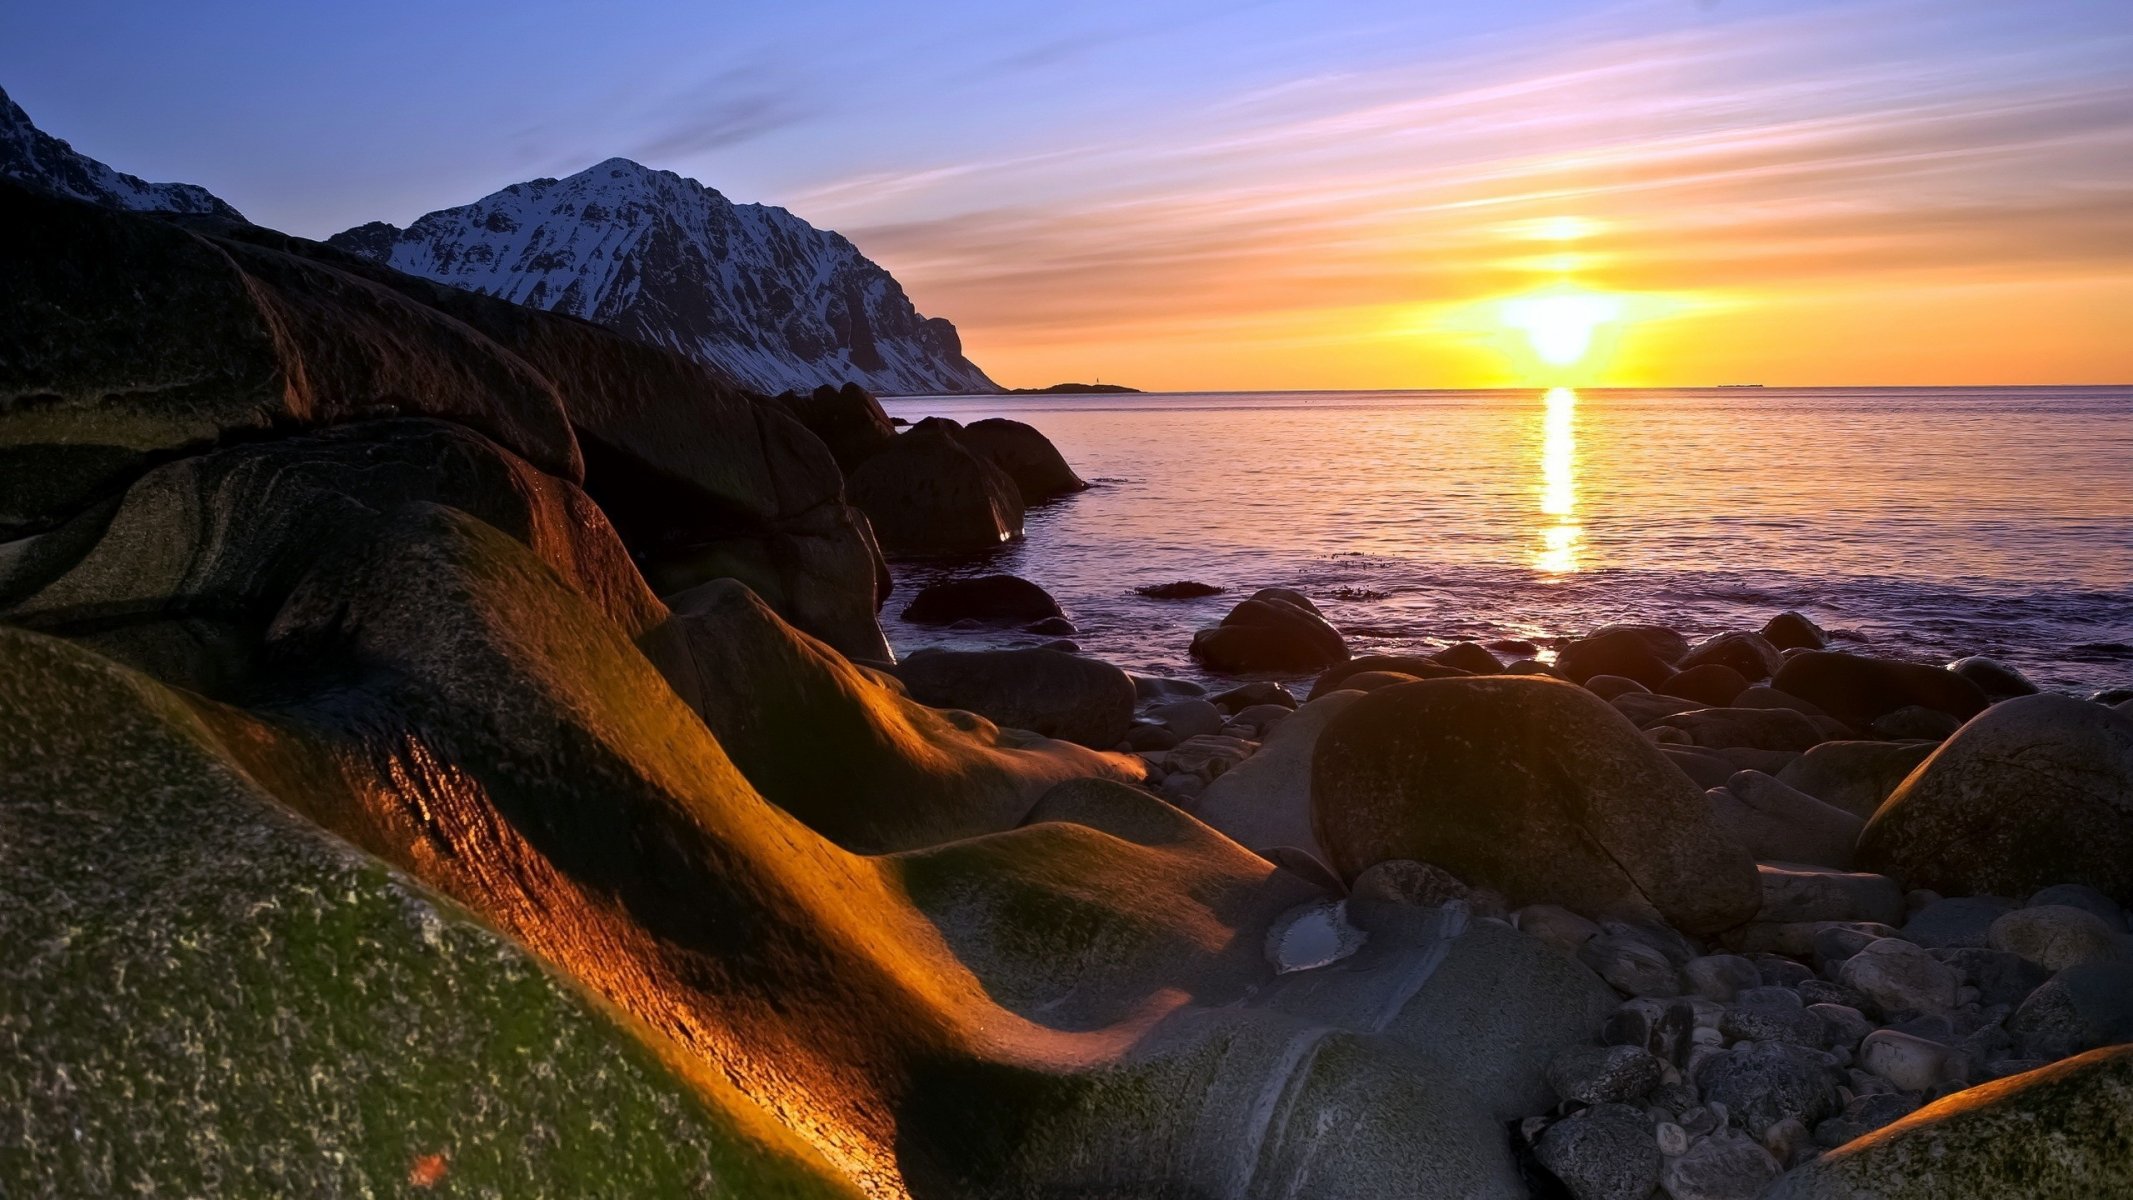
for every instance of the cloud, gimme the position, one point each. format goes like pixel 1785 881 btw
pixel 731 107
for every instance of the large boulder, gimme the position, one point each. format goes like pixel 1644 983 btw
pixel 1335 678
pixel 1050 692
pixel 848 420
pixel 928 492
pixel 1265 801
pixel 1027 456
pixel 1530 786
pixel 1276 630
pixel 1751 654
pixel 1780 824
pixel 1627 651
pixel 1854 776
pixel 2035 792
pixel 2063 1132
pixel 1856 690
pixel 1790 630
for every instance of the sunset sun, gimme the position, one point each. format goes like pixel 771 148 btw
pixel 1560 325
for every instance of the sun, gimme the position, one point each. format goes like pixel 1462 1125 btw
pixel 1560 324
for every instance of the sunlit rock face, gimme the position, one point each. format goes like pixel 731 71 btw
pixel 748 289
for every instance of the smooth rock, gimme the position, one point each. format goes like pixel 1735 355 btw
pixel 1749 655
pixel 928 492
pixel 1557 926
pixel 1913 1064
pixel 1532 787
pixel 1914 722
pixel 1064 696
pixel 1793 893
pixel 1630 965
pixel 1777 823
pixel 1854 776
pixel 1862 1116
pixel 1993 677
pixel 1721 977
pixel 1468 657
pixel 2077 1009
pixel 2001 978
pixel 2081 896
pixel 1765 696
pixel 1026 456
pixel 1771 1014
pixel 2057 936
pixel 1607 687
pixel 2035 792
pixel 1189 718
pixel 1254 694
pixel 1181 589
pixel 1275 630
pixel 1791 630
pixel 1622 650
pixel 1715 684
pixel 1957 921
pixel 1266 799
pixel 1762 1083
pixel 1749 728
pixel 1603 1153
pixel 1335 678
pixel 985 598
pixel 1842 1025
pixel 1855 689
pixel 1728 1165
pixel 1901 977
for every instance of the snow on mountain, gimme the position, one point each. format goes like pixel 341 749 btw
pixel 34 157
pixel 751 289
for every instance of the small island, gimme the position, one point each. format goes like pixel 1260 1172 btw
pixel 1073 389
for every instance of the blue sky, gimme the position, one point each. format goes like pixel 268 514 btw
pixel 1212 193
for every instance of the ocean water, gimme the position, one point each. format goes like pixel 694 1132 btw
pixel 1933 522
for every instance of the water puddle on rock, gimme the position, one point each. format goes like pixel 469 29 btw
pixel 1312 935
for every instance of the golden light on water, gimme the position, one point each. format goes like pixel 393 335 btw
pixel 1560 533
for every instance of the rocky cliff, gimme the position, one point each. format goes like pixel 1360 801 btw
pixel 749 289
pixel 33 157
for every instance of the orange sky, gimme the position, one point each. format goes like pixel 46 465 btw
pixel 1841 199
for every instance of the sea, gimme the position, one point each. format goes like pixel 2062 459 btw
pixel 1929 523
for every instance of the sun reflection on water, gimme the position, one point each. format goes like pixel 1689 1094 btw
pixel 1558 553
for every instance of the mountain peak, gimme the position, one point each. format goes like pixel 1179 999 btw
pixel 750 289
pixel 32 156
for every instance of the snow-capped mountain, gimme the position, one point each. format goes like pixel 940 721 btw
pixel 34 157
pixel 751 289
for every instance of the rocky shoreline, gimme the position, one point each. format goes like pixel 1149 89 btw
pixel 453 744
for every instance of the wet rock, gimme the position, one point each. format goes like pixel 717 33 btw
pixel 1063 696
pixel 1855 689
pixel 1762 1083
pixel 1502 779
pixel 1025 455
pixel 1748 654
pixel 1728 1165
pixel 1631 965
pixel 1714 684
pixel 1721 977
pixel 1777 823
pixel 1914 722
pixel 1623 651
pixel 2059 1131
pixel 1804 894
pixel 984 598
pixel 1750 728
pixel 2057 936
pixel 1603 1074
pixel 1208 755
pixel 2081 896
pixel 1603 1153
pixel 1250 695
pixel 1863 1116
pixel 2077 1009
pixel 1901 977
pixel 1189 718
pixel 1958 921
pixel 1794 631
pixel 2037 791
pixel 1261 718
pixel 1913 1064
pixel 1468 657
pixel 1275 630
pixel 1182 589
pixel 1266 799
pixel 1996 679
pixel 927 492
pixel 1336 678
pixel 1154 688
pixel 1055 627
pixel 1854 776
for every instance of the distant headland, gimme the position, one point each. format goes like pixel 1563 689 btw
pixel 1073 389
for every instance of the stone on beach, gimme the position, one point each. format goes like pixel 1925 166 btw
pixel 928 492
pixel 1901 977
pixel 1715 684
pixel 1064 696
pixel 1025 456
pixel 1602 1153
pixel 1779 824
pixel 1856 689
pixel 1794 631
pixel 2057 936
pixel 1748 654
pixel 1335 678
pixel 1795 893
pixel 1529 786
pixel 1275 630
pixel 1856 776
pixel 984 598
pixel 1631 652
pixel 1265 800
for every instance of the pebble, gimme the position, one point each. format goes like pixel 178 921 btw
pixel 1761 1083
pixel 1659 1027
pixel 1842 1025
pixel 1768 1014
pixel 1672 1138
pixel 1913 1064
pixel 1603 1074
pixel 1603 1153
pixel 1725 1166
pixel 1721 977
pixel 2057 936
pixel 1788 1140
pixel 1900 977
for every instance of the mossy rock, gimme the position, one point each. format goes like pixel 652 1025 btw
pixel 204 996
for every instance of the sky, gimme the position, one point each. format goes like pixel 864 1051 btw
pixel 1184 195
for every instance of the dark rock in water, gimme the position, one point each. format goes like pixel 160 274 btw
pixel 848 420
pixel 1854 776
pixel 1993 677
pixel 1532 787
pixel 1055 627
pixel 1528 666
pixel 2077 1009
pixel 1762 1083
pixel 1275 630
pixel 1662 641
pixel 1607 687
pixel 1183 589
pixel 1602 1153
pixel 1468 657
pixel 1793 631
pixel 2112 697
pixel 985 598
pixel 1257 692
pixel 1151 688
pixel 1855 689
pixel 1748 728
pixel 1515 647
pixel 1751 654
pixel 928 492
pixel 1914 723
pixel 1715 684
pixel 2035 792
pixel 2060 1131
pixel 1027 456
pixel 1336 677
pixel 1061 696
pixel 1621 650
